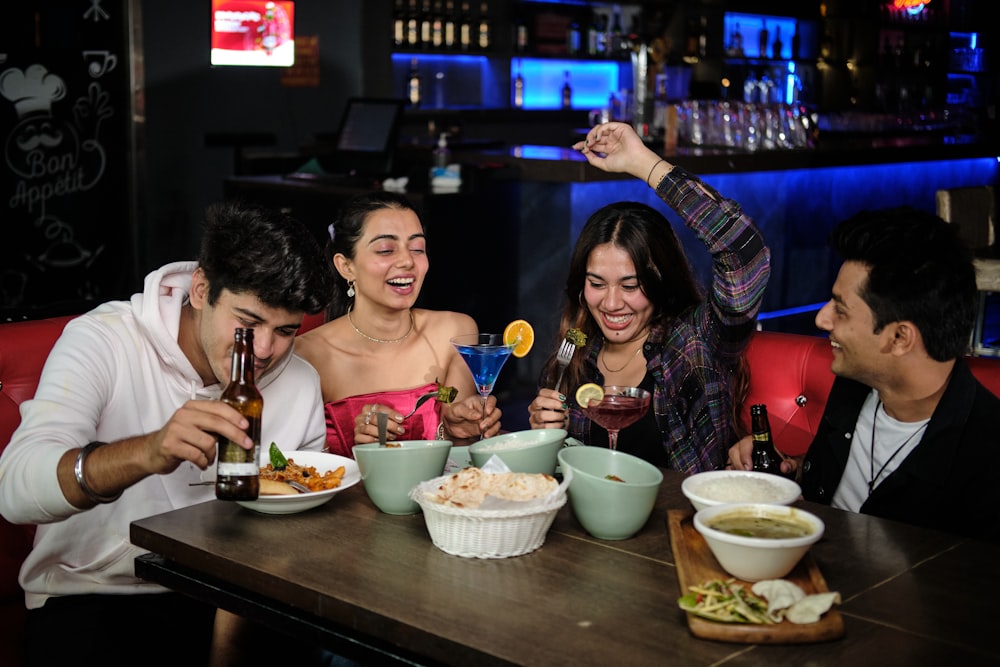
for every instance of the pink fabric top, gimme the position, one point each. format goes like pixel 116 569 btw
pixel 340 416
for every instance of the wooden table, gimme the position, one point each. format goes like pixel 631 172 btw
pixel 373 587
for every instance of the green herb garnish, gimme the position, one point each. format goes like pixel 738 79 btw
pixel 278 460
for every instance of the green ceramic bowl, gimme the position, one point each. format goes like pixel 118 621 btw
pixel 606 508
pixel 388 473
pixel 523 451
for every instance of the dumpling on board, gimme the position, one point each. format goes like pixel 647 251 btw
pixel 786 600
pixel 780 595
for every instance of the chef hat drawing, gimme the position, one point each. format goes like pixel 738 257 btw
pixel 33 90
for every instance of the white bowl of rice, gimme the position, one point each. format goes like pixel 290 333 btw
pixel 721 487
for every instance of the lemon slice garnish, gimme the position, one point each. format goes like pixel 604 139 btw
pixel 589 392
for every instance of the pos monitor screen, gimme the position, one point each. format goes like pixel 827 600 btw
pixel 366 140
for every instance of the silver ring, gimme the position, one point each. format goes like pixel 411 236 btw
pixel 368 417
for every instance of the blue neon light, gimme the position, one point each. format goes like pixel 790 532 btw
pixel 432 60
pixel 749 27
pixel 786 312
pixel 592 82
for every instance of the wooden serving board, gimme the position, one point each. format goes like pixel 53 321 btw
pixel 696 564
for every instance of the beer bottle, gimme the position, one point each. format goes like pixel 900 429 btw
pixel 765 456
pixel 238 472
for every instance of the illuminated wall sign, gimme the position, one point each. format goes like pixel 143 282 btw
pixel 912 5
pixel 253 33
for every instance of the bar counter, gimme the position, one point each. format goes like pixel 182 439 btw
pixel 563 165
pixel 373 587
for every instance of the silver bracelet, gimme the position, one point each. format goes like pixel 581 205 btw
pixel 440 432
pixel 78 473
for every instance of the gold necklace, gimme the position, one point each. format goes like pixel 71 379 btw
pixel 379 340
pixel 604 360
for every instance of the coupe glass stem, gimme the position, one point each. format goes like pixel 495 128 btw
pixel 612 439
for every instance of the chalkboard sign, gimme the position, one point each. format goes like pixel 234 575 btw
pixel 67 177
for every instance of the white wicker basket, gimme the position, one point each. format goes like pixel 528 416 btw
pixel 475 533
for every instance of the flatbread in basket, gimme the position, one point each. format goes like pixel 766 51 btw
pixel 475 513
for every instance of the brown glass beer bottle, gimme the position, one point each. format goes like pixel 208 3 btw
pixel 765 456
pixel 238 471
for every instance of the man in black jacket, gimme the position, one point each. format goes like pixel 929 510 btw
pixel 908 433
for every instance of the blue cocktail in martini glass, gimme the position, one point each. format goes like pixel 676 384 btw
pixel 485 355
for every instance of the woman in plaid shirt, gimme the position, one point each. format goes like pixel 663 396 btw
pixel 631 290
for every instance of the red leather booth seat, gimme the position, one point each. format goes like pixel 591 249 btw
pixel 23 349
pixel 790 373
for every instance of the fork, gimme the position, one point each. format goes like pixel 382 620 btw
pixel 563 356
pixel 420 401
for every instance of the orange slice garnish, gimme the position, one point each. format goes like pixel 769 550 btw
pixel 521 335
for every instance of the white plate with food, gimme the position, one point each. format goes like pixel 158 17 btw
pixel 315 470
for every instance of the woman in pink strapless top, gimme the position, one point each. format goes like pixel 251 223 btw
pixel 376 352
pixel 340 416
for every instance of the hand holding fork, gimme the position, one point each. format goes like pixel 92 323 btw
pixel 574 339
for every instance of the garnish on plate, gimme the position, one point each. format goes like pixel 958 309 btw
pixel 278 460
pixel 725 601
pixel 767 602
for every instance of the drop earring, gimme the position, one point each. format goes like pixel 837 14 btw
pixel 350 288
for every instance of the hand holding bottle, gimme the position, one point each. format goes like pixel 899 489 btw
pixel 741 458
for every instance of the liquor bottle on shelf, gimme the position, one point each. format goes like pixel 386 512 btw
pixel 762 40
pixel 567 92
pixel 796 44
pixel 776 45
pixel 465 28
pixel 450 27
pixel 573 38
pixel 520 35
pixel 437 26
pixel 518 89
pixel 238 469
pixel 602 34
pixel 593 30
pixel 426 25
pixel 614 47
pixel 703 37
pixel 485 29
pixel 414 85
pixel 398 24
pixel 736 43
pixel 413 26
pixel 691 40
pixel 765 457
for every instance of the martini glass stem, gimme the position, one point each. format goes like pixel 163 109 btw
pixel 483 413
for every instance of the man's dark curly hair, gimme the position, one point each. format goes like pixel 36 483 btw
pixel 253 250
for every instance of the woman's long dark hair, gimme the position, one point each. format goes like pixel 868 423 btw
pixel 662 268
pixel 346 231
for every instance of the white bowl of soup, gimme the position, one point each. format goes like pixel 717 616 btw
pixel 756 541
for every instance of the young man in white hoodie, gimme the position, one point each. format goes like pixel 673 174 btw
pixel 126 401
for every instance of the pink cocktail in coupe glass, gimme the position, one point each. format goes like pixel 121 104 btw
pixel 621 407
